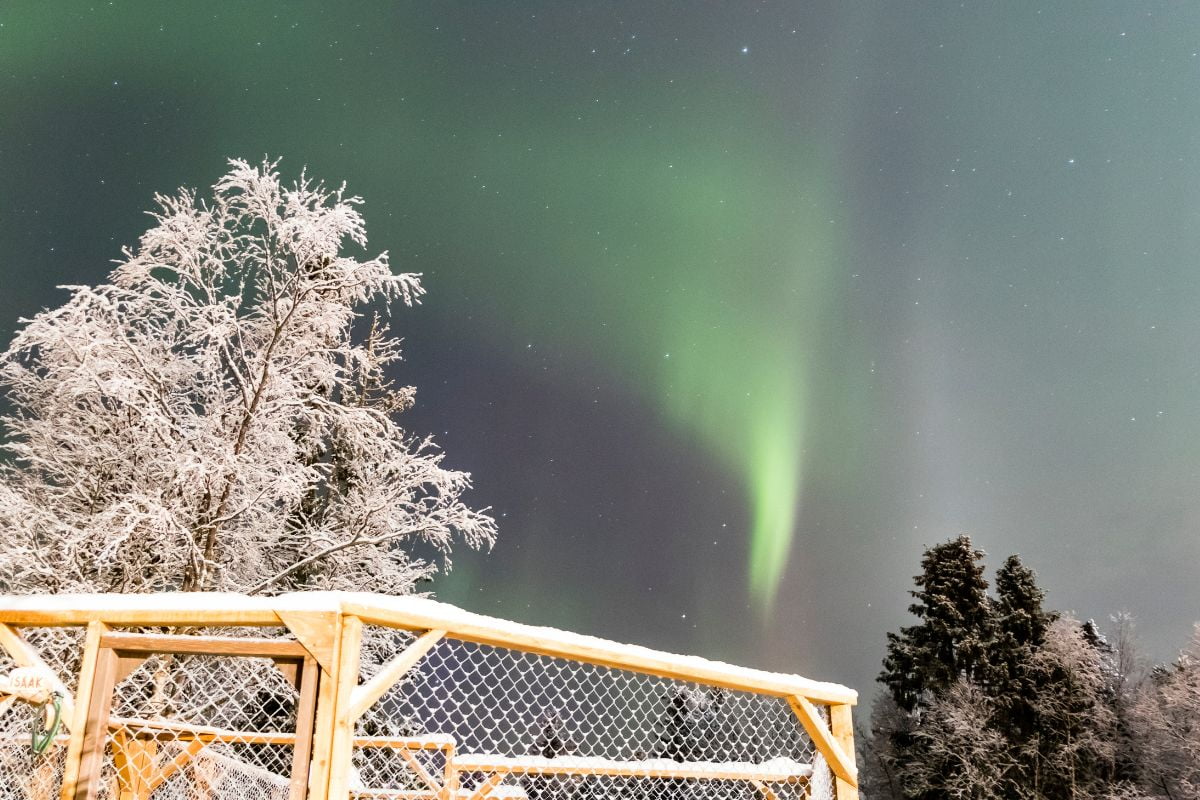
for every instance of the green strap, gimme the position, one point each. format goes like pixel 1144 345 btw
pixel 42 735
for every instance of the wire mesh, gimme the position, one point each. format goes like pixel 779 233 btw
pixel 556 728
pixel 201 726
pixel 24 774
pixel 467 721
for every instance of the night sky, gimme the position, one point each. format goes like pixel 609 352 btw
pixel 733 307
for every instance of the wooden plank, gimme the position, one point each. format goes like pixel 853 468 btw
pixel 185 609
pixel 420 771
pixel 841 725
pixel 123 765
pixel 24 655
pixel 483 789
pixel 163 730
pixel 450 782
pixel 841 764
pixel 342 747
pixel 306 709
pixel 134 763
pixel 324 723
pixel 365 695
pixel 203 645
pixel 687 770
pixel 317 631
pixel 433 741
pixel 174 765
pixel 95 726
pixel 190 609
pixel 126 664
pixel 546 641
pixel 290 669
pixel 83 701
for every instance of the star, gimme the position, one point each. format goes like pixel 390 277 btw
pixel 745 50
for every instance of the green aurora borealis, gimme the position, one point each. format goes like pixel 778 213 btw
pixel 732 307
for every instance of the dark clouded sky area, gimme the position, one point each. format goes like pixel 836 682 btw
pixel 733 307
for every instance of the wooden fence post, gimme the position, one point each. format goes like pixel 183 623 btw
pixel 321 634
pixel 83 696
pixel 341 751
pixel 85 750
pixel 841 725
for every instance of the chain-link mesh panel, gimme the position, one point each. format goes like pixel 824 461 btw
pixel 24 774
pixel 201 727
pixel 547 728
pixel 468 720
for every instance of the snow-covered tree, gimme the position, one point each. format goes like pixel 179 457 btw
pixel 219 415
pixel 878 761
pixel 963 755
pixel 1020 627
pixel 1165 722
pixel 1128 682
pixel 951 639
pixel 1071 752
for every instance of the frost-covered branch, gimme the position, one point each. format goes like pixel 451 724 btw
pixel 221 409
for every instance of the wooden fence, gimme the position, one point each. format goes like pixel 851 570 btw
pixel 345 695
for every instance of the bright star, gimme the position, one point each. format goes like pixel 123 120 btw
pixel 745 49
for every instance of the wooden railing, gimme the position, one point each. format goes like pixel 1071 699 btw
pixel 328 629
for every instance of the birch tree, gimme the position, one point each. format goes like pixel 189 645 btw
pixel 219 415
pixel 1166 726
pixel 1072 749
pixel 963 755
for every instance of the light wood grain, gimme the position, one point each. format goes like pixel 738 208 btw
pixel 83 702
pixel 822 738
pixel 205 645
pixel 841 725
pixel 306 710
pixel 317 631
pixel 365 695
pixel 342 747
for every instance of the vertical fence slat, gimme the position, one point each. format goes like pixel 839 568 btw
pixel 341 754
pixel 83 696
pixel 842 726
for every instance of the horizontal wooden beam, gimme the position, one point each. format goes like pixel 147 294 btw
pixel 137 728
pixel 658 768
pixel 588 649
pixel 203 645
pixel 169 609
pixel 410 613
pixel 436 741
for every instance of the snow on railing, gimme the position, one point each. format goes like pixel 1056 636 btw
pixel 345 695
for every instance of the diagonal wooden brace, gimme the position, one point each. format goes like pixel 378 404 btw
pixel 24 654
pixel 364 696
pixel 841 763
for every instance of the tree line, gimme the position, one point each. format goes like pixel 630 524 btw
pixel 996 697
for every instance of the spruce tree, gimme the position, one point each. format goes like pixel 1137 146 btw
pixel 1020 625
pixel 949 644
pixel 951 639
